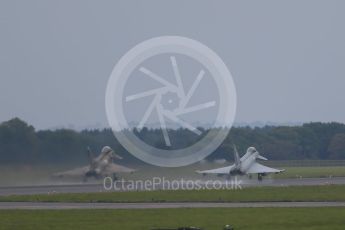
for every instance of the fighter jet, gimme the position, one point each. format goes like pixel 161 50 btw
pixel 99 167
pixel 245 165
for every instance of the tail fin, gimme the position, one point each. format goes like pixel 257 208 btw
pixel 236 156
pixel 90 154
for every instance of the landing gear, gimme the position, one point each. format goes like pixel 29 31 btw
pixel 260 176
pixel 115 178
pixel 228 177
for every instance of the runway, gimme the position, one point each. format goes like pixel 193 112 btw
pixel 61 206
pixel 91 188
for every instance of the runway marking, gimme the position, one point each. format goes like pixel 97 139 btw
pixel 92 188
pixel 61 206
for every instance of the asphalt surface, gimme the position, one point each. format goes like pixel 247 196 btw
pixel 58 206
pixel 90 188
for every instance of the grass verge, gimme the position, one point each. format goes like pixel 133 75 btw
pixel 208 219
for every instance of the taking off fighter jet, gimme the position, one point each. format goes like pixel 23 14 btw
pixel 245 165
pixel 99 167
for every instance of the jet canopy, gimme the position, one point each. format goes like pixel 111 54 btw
pixel 106 149
pixel 251 150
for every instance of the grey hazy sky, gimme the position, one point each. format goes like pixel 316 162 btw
pixel 287 57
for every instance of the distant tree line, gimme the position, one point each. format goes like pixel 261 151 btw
pixel 21 143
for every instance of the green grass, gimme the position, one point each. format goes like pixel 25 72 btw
pixel 293 193
pixel 209 219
